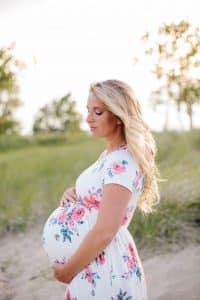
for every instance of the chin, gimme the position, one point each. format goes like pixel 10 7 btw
pixel 95 135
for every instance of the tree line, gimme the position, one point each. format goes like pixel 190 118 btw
pixel 58 116
pixel 175 53
pixel 175 50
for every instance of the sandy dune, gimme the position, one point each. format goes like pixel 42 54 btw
pixel 25 275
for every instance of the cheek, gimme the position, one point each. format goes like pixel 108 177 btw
pixel 109 125
pixel 112 122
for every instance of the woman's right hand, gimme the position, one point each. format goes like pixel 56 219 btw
pixel 68 196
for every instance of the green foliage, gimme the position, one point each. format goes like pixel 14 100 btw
pixel 174 221
pixel 14 142
pixel 177 217
pixel 33 178
pixel 9 100
pixel 176 52
pixel 35 175
pixel 59 116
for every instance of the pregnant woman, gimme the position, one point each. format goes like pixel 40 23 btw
pixel 86 238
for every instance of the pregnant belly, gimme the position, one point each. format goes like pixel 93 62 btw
pixel 64 230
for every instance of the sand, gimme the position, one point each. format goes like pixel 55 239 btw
pixel 25 273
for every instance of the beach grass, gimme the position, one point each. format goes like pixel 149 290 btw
pixel 35 171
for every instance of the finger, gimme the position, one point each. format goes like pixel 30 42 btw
pixel 62 203
pixel 73 196
pixel 67 201
pixel 74 193
pixel 69 198
pixel 71 193
pixel 63 200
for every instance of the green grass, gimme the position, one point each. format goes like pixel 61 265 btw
pixel 34 178
pixel 34 173
pixel 173 223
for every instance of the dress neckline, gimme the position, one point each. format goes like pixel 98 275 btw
pixel 105 153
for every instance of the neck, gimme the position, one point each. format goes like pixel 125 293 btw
pixel 114 143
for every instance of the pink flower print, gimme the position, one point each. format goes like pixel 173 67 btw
pixel 124 220
pixel 94 200
pixel 78 214
pixel 71 223
pixel 89 274
pixel 86 201
pixel 132 251
pixel 101 258
pixel 137 178
pixel 131 264
pixel 91 201
pixel 67 295
pixel 63 217
pixel 118 167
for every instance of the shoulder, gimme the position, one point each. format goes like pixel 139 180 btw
pixel 121 168
pixel 122 157
pixel 122 163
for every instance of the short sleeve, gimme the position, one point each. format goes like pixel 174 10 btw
pixel 120 168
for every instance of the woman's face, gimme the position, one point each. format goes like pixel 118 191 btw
pixel 102 123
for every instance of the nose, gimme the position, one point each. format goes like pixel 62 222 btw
pixel 89 118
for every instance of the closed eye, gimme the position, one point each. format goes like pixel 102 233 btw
pixel 98 113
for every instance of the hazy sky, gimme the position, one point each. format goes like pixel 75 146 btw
pixel 68 44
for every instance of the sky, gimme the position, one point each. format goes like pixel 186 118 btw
pixel 66 45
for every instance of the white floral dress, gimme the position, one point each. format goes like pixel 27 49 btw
pixel 117 273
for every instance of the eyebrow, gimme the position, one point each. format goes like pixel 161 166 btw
pixel 95 107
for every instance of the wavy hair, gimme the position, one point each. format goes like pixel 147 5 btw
pixel 121 101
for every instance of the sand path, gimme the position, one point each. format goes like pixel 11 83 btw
pixel 25 275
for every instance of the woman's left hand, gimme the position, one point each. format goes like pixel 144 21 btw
pixel 60 273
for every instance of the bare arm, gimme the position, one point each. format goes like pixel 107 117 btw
pixel 114 202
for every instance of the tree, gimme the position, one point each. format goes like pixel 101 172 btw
pixel 58 116
pixel 9 89
pixel 176 52
pixel 189 94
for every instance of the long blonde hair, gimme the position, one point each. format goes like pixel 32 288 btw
pixel 121 101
